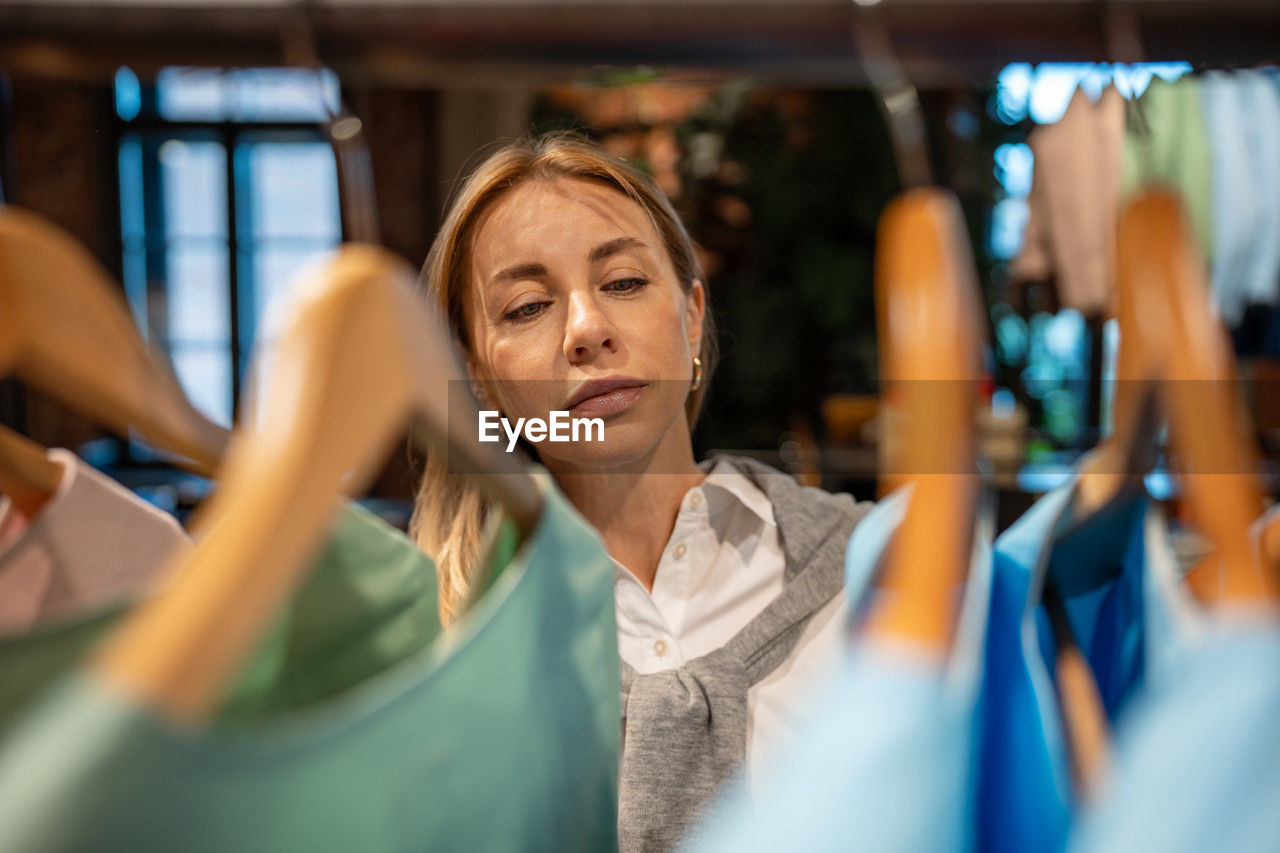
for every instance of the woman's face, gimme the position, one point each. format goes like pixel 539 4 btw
pixel 573 304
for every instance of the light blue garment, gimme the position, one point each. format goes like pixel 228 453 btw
pixel 1120 591
pixel 884 759
pixel 1262 98
pixel 1197 761
pixel 882 766
pixel 1238 204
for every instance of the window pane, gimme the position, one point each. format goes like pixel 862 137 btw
pixel 282 94
pixel 128 94
pixel 1054 85
pixel 275 271
pixel 294 189
pixel 1008 224
pixel 194 177
pixel 191 93
pixel 1014 167
pixel 132 220
pixel 198 292
pixel 205 374
pixel 1013 91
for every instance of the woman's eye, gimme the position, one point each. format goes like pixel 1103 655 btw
pixel 526 311
pixel 626 285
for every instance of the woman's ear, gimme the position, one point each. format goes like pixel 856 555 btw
pixel 695 311
pixel 478 388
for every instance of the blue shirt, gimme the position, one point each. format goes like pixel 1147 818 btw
pixel 1198 758
pixel 1119 588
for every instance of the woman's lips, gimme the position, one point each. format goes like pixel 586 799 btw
pixel 609 403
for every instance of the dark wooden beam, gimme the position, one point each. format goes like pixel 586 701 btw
pixel 939 41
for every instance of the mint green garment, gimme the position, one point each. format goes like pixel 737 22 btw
pixel 30 661
pixel 368 601
pixel 500 735
pixel 1174 154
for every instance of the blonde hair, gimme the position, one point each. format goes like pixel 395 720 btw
pixel 449 515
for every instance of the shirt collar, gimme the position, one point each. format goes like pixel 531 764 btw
pixel 736 484
pixel 733 488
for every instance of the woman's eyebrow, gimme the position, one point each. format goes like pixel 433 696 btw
pixel 613 247
pixel 519 271
pixel 599 253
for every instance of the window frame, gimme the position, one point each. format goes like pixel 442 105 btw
pixel 155 130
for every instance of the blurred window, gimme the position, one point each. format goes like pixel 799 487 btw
pixel 227 188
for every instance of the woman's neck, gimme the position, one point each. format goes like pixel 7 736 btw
pixel 634 506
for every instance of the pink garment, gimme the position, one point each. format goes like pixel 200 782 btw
pixel 94 542
pixel 1073 205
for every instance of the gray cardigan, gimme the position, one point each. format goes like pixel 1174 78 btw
pixel 686 728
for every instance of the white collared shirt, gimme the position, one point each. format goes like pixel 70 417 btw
pixel 722 565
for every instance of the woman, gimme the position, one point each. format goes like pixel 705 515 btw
pixel 572 285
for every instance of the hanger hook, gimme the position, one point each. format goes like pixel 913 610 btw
pixel 1124 47
pixel 898 97
pixel 342 128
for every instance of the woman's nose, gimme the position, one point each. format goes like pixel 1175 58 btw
pixel 587 329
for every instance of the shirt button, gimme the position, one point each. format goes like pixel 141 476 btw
pixel 659 648
pixel 695 500
pixel 680 551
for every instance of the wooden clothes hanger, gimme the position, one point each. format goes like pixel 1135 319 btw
pixel 1173 355
pixel 926 290
pixel 27 476
pixel 1108 492
pixel 929 322
pixel 65 331
pixel 1110 487
pixel 1161 269
pixel 363 353
pixel 929 345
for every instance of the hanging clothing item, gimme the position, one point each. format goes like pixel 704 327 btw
pixel 1237 194
pixel 886 774
pixel 1262 102
pixel 1197 761
pixel 368 601
pixel 1122 596
pixel 1109 114
pixel 1166 144
pixel 1072 206
pixel 367 604
pixel 92 543
pixel 686 728
pixel 885 758
pixel 499 735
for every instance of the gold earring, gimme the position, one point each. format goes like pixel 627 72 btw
pixel 697 374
